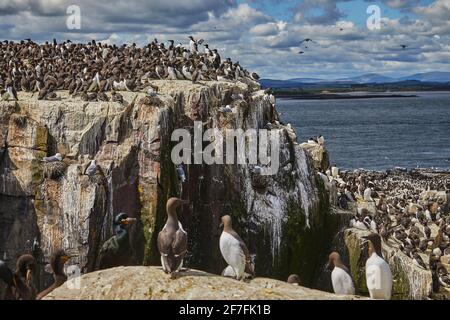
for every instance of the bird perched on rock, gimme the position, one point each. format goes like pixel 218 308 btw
pixel 418 261
pixel 116 97
pixel 55 158
pixel 444 279
pixel 256 169
pixel 116 251
pixel 378 273
pixel 358 224
pixel 255 76
pixel 226 109
pixel 340 276
pixel 293 279
pixel 152 90
pixel 172 239
pixel 19 284
pixel 343 201
pixel 321 140
pixel 234 250
pixel 181 173
pixel 92 168
pixel 368 194
pixel 10 90
pixel 427 230
pixel 57 261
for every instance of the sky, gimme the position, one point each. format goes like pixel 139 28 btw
pixel 263 35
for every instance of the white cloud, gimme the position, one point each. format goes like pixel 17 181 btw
pixel 267 29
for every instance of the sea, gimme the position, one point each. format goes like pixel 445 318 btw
pixel 379 133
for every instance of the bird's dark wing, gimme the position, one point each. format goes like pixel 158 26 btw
pixel 248 259
pixel 164 241
pixel 241 242
pixel 179 245
pixel 6 274
pixel 107 252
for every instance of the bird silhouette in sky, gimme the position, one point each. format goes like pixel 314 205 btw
pixel 307 40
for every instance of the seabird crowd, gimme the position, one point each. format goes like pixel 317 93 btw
pixel 94 69
pixel 410 211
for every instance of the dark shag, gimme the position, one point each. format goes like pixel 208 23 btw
pixel 8 277
pixel 19 284
pixel 57 261
pixel 116 251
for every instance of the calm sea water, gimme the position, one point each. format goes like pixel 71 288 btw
pixel 377 133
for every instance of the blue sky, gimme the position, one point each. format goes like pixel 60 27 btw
pixel 264 35
pixel 352 9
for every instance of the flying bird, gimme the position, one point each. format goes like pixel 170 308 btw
pixel 404 46
pixel 307 40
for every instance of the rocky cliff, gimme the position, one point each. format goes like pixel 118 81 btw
pixel 284 218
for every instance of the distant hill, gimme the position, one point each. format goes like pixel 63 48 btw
pixel 438 76
pixel 370 78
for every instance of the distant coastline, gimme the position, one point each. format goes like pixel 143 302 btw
pixel 335 96
pixel 369 86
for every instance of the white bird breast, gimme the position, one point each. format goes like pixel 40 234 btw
pixel 373 276
pixel 232 252
pixel 342 282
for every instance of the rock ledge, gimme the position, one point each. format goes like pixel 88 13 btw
pixel 150 283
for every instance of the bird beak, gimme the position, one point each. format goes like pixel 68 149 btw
pixel 128 221
pixel 28 276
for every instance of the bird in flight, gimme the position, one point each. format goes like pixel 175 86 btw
pixel 307 40
pixel 301 52
pixel 404 46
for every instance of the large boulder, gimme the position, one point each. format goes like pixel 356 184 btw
pixel 151 283
pixel 319 155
